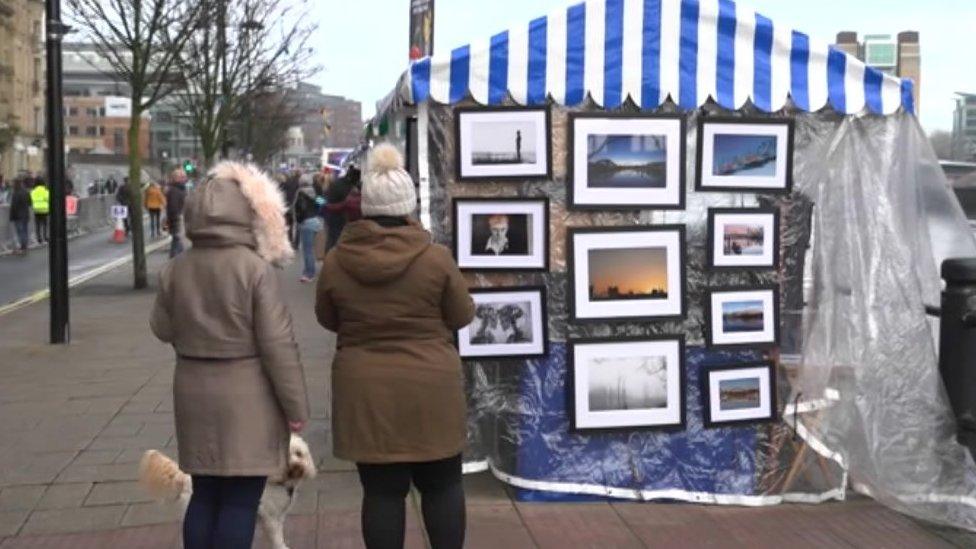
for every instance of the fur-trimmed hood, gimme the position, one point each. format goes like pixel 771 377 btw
pixel 239 205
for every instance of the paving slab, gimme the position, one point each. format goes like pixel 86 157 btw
pixel 11 522
pixel 150 537
pixel 84 519
pixel 112 493
pixel 64 496
pixel 583 525
pixel 142 514
pixel 20 498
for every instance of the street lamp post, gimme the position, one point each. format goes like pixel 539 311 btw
pixel 58 245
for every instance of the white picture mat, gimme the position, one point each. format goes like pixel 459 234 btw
pixel 584 242
pixel 467 121
pixel 536 235
pixel 767 220
pixel 670 195
pixel 584 352
pixel 536 346
pixel 777 181
pixel 714 398
pixel 768 334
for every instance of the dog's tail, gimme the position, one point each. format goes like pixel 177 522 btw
pixel 162 477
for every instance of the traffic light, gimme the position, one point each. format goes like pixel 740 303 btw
pixel 188 167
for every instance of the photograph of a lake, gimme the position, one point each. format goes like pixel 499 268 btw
pixel 739 394
pixel 626 161
pixel 736 154
pixel 742 316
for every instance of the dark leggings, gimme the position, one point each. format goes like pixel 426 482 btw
pixel 222 512
pixel 385 488
pixel 154 228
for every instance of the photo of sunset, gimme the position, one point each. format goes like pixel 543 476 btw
pixel 628 273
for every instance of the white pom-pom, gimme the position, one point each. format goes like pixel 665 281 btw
pixel 385 158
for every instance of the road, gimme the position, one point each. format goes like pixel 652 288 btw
pixel 22 276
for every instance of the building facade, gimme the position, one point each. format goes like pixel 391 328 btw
pixel 323 121
pixel 964 127
pixel 100 125
pixel 895 55
pixel 21 87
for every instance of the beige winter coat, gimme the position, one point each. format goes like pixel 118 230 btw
pixel 395 300
pixel 238 378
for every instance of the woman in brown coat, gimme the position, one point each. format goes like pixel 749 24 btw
pixel 395 298
pixel 238 386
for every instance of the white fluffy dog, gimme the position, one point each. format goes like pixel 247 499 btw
pixel 164 480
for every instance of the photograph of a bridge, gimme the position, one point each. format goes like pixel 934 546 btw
pixel 744 393
pixel 626 161
pixel 745 154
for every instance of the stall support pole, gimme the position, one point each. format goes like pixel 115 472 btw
pixel 423 163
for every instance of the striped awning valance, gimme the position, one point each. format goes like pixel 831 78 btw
pixel 649 50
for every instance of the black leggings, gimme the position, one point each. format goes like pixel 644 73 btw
pixel 222 512
pixel 385 488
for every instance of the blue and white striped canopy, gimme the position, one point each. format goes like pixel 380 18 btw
pixel 648 50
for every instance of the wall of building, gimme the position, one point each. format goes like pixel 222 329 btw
pixel 908 58
pixel 22 85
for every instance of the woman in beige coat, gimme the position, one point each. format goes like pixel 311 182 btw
pixel 238 386
pixel 395 299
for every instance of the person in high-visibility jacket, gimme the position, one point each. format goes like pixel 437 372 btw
pixel 41 204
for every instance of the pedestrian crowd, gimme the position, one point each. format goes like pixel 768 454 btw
pixel 392 296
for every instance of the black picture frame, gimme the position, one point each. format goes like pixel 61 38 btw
pixel 460 112
pixel 572 201
pixel 571 385
pixel 710 422
pixel 759 122
pixel 572 232
pixel 543 332
pixel 710 336
pixel 456 243
pixel 713 212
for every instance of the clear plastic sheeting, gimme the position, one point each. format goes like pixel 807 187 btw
pixel 857 379
pixel 883 216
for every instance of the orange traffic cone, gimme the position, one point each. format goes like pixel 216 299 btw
pixel 119 235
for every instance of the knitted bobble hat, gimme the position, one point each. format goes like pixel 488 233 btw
pixel 388 189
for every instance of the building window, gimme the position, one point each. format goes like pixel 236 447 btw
pixel 72 130
pixel 91 112
pixel 119 138
pixel 72 111
pixel 91 131
pixel 101 111
pixel 101 130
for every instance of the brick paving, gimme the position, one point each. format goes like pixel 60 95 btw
pixel 75 420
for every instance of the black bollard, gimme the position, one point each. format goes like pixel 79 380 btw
pixel 957 345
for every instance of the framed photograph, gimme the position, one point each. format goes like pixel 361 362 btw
pixel 739 394
pixel 508 323
pixel 627 273
pixel 627 384
pixel 745 154
pixel 502 143
pixel 743 238
pixel 738 317
pixel 502 233
pixel 626 161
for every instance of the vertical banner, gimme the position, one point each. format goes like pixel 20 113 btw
pixel 421 29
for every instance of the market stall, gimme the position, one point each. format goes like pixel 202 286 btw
pixel 699 247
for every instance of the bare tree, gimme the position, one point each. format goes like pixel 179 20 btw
pixel 272 114
pixel 238 56
pixel 142 40
pixel 942 143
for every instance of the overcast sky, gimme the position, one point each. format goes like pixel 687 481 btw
pixel 363 43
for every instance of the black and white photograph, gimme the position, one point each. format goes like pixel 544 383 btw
pixel 745 238
pixel 626 273
pixel 745 154
pixel 501 233
pixel 618 384
pixel 739 394
pixel 502 143
pixel 743 317
pixel 626 161
pixel 508 323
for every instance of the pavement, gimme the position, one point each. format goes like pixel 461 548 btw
pixel 75 420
